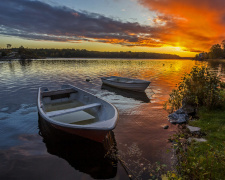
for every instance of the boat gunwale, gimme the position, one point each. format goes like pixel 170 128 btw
pixel 135 82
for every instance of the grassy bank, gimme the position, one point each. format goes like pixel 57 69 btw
pixel 213 124
pixel 202 160
pixel 202 90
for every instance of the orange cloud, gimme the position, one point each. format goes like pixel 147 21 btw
pixel 193 24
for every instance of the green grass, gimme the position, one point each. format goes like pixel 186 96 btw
pixel 213 124
pixel 205 160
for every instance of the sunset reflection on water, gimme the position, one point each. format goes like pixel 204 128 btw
pixel 141 114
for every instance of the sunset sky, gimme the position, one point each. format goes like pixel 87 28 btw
pixel 182 27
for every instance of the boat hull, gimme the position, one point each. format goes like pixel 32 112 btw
pixel 129 86
pixel 92 134
pixel 136 95
pixel 95 135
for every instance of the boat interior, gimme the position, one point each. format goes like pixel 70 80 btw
pixel 69 106
pixel 124 80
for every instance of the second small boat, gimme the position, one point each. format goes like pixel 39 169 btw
pixel 126 83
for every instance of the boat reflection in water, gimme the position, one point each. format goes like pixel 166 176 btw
pixel 139 96
pixel 93 158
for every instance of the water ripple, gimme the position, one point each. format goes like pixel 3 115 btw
pixel 20 81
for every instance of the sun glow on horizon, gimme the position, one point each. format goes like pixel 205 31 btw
pixel 94 46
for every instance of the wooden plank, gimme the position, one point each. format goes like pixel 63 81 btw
pixel 57 92
pixel 66 111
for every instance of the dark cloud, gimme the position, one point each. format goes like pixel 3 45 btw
pixel 40 21
pixel 192 25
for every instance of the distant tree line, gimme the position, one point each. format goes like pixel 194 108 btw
pixel 25 53
pixel 217 51
pixel 83 53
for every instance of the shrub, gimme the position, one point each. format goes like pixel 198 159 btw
pixel 222 84
pixel 199 88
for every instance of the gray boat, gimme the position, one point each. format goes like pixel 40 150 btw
pixel 76 111
pixel 126 83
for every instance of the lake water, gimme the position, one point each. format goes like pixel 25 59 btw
pixel 139 138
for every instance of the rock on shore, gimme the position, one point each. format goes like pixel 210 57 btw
pixel 182 115
pixel 178 117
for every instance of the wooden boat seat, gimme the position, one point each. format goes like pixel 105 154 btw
pixel 57 92
pixel 66 111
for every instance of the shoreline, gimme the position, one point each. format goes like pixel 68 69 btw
pixel 89 58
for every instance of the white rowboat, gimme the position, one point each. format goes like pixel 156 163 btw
pixel 126 83
pixel 76 111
